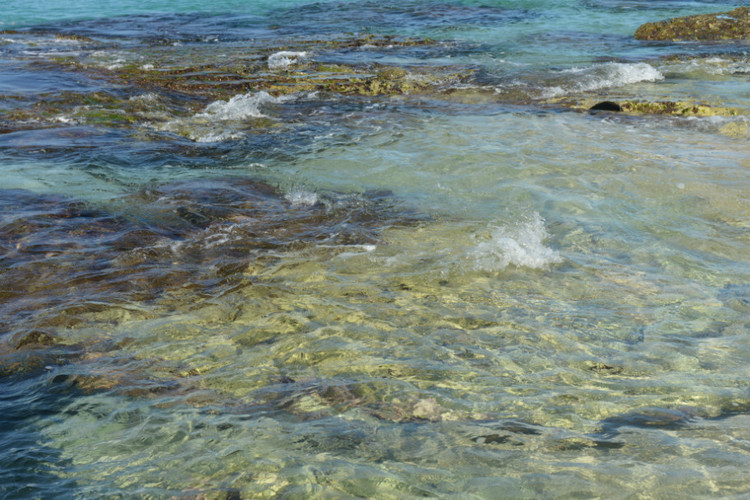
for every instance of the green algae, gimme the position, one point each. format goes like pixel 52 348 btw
pixel 220 82
pixel 733 25
pixel 103 270
pixel 184 79
pixel 74 38
pixel 678 108
pixel 195 71
pixel 642 107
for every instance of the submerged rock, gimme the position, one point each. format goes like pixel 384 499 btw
pixel 26 362
pixel 736 296
pixel 156 85
pixel 733 25
pixel 669 418
pixel 69 265
pixel 662 418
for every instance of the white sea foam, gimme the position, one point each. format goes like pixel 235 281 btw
pixel 520 244
pixel 285 58
pixel 222 120
pixel 601 76
pixel 710 66
pixel 147 98
pixel 65 119
pixel 301 198
pixel 219 136
pixel 238 107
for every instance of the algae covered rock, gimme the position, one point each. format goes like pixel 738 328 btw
pixel 640 107
pixel 678 108
pixel 733 25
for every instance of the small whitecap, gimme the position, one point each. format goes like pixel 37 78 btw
pixel 351 250
pixel 602 76
pixel 147 98
pixel 65 119
pixel 285 58
pixel 520 245
pixel 226 135
pixel 238 107
pixel 301 198
pixel 222 120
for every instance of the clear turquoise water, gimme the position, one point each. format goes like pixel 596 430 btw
pixel 477 294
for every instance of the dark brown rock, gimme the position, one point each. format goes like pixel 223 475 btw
pixel 606 106
pixel 733 25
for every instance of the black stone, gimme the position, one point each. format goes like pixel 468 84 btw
pixel 606 106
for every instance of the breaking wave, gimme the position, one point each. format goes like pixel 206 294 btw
pixel 238 107
pixel 301 198
pixel 520 245
pixel 285 58
pixel 224 120
pixel 602 76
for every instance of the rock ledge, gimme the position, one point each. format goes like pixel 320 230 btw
pixel 733 25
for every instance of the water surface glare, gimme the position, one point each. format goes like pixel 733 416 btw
pixel 370 249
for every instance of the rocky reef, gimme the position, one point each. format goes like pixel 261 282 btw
pixel 676 108
pixel 181 80
pixel 68 264
pixel 733 25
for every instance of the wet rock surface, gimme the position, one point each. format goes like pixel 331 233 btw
pixel 733 25
pixel 645 108
pixel 152 82
pixel 160 88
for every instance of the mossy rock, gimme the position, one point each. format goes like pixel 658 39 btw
pixel 676 108
pixel 182 81
pixel 74 38
pixel 33 338
pixel 633 107
pixel 733 25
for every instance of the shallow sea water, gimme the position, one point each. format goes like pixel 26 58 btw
pixel 471 293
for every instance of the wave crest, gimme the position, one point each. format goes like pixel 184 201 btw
pixel 602 76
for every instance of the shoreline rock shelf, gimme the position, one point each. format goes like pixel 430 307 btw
pixel 733 25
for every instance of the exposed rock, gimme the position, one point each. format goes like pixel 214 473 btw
pixel 158 86
pixel 635 107
pixel 606 106
pixel 734 25
pixel 677 108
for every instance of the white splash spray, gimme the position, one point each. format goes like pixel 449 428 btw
pixel 602 76
pixel 301 198
pixel 520 244
pixel 238 107
pixel 224 120
pixel 285 58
